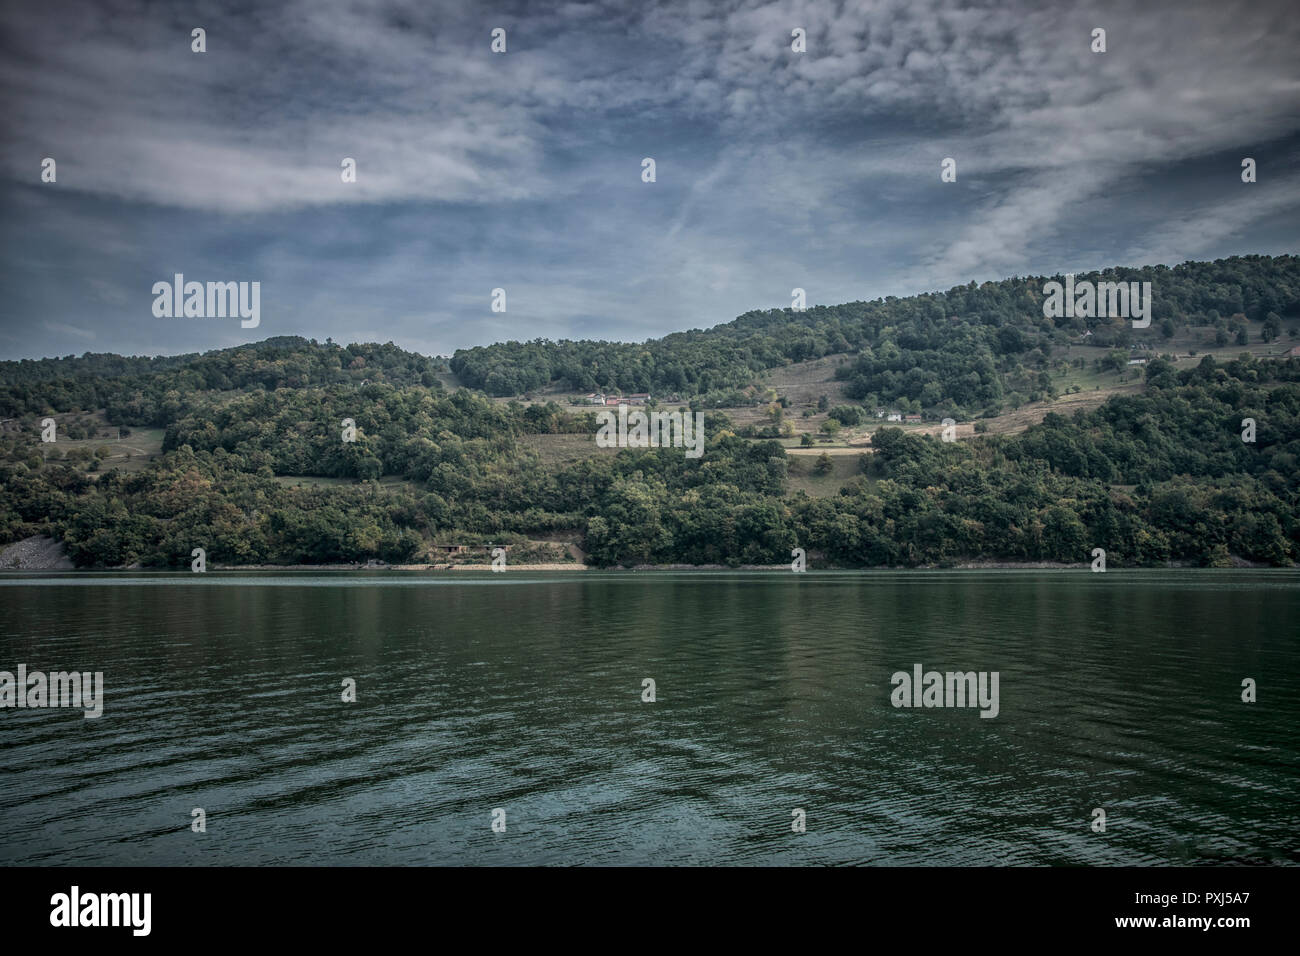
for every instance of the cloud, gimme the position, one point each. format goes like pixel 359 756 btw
pixel 59 327
pixel 522 170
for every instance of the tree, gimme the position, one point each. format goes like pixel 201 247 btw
pixel 1272 327
pixel 1115 360
pixel 1064 535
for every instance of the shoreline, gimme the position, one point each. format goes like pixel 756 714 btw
pixel 560 567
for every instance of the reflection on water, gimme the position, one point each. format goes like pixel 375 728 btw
pixel 1119 691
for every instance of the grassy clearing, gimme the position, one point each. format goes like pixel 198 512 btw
pixel 130 454
pixel 556 451
pixel 449 380
pixel 388 482
pixel 802 384
pixel 845 466
pixel 314 481
pixel 1011 422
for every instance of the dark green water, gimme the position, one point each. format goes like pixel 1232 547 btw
pixel 523 692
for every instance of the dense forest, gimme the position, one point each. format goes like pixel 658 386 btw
pixel 156 391
pixel 954 352
pixel 1156 477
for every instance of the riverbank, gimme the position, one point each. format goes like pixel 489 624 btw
pixel 47 554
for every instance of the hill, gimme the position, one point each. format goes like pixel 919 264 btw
pixel 290 451
pixel 957 352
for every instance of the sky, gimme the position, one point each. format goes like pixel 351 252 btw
pixel 523 170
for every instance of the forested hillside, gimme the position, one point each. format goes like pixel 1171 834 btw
pixel 156 391
pixel 249 459
pixel 1198 493
pixel 958 351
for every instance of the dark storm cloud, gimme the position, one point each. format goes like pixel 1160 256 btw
pixel 522 170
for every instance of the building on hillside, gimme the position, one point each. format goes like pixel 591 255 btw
pixel 616 400
pixel 595 398
pixel 878 412
pixel 912 418
pixel 894 417
pixel 1137 361
pixel 1292 352
pixel 639 398
pixel 450 548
